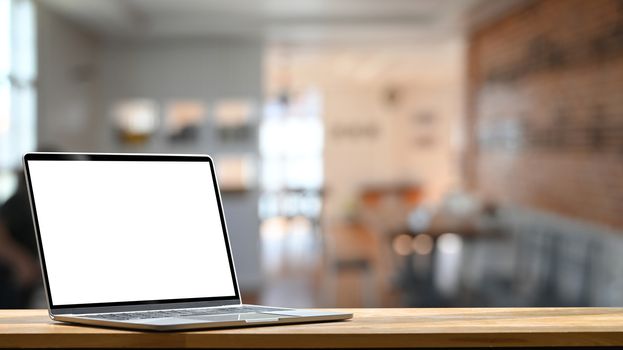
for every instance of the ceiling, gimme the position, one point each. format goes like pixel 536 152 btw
pixel 278 21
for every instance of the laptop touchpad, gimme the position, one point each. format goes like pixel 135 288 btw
pixel 247 317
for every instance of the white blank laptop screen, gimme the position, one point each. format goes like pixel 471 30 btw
pixel 119 231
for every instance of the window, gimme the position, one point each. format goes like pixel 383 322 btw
pixel 291 147
pixel 17 88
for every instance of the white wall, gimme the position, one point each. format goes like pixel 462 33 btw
pixel 80 77
pixel 393 156
pixel 66 57
pixel 354 84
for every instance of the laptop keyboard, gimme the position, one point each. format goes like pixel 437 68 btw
pixel 138 315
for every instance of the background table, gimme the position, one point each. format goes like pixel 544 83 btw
pixel 370 328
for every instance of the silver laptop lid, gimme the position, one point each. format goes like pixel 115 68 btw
pixel 120 232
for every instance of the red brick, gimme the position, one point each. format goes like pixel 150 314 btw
pixel 572 179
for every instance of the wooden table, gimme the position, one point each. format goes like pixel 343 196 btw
pixel 370 328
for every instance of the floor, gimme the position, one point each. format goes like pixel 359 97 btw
pixel 303 268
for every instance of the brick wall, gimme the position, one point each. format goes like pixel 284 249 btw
pixel 545 109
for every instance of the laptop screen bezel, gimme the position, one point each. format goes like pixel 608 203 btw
pixel 138 304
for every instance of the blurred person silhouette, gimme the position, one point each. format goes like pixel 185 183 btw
pixel 19 266
pixel 20 273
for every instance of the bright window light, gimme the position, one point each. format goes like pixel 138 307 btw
pixel 18 73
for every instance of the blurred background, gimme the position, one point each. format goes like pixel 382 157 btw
pixel 414 153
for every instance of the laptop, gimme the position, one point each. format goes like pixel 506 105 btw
pixel 139 241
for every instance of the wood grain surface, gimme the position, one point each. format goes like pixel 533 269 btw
pixel 370 328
